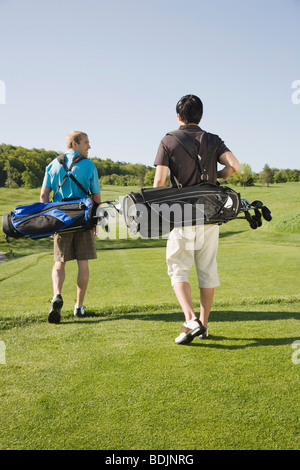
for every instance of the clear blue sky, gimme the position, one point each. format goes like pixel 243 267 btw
pixel 116 69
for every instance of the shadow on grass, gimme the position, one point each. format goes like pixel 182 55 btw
pixel 229 234
pixel 26 246
pixel 214 341
pixel 223 316
pixel 129 244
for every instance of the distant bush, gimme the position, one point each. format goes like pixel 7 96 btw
pixel 289 224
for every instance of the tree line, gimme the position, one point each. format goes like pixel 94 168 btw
pixel 246 177
pixel 21 167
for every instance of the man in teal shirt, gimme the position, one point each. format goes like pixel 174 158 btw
pixel 85 172
pixel 72 245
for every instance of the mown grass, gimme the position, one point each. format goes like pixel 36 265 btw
pixel 116 380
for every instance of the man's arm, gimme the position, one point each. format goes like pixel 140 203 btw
pixel 160 176
pixel 97 197
pixel 45 193
pixel 231 165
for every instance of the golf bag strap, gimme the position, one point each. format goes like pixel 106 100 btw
pixel 209 154
pixel 62 160
pixel 190 147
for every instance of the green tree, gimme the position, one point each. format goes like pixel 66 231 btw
pixel 280 177
pixel 244 177
pixel 12 176
pixel 149 177
pixel 292 175
pixel 266 176
pixel 30 180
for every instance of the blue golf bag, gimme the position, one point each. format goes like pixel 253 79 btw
pixel 40 220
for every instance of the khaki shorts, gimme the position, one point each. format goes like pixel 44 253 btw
pixel 189 244
pixel 74 245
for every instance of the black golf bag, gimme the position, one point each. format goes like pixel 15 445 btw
pixel 41 220
pixel 155 212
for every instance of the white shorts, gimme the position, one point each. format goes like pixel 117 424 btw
pixel 189 244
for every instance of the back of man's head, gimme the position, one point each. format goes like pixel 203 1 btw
pixel 74 136
pixel 190 109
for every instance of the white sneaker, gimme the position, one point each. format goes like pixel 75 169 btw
pixel 189 331
pixel 79 312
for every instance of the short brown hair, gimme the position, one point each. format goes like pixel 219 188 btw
pixel 74 136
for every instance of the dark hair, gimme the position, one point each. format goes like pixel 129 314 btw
pixel 190 109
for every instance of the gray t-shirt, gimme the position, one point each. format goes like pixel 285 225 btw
pixel 172 154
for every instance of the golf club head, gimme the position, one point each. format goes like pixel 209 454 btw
pixel 257 204
pixel 103 222
pixel 100 212
pixel 252 221
pixel 257 220
pixel 119 208
pixel 267 214
pixel 110 212
pixel 116 205
pixel 257 213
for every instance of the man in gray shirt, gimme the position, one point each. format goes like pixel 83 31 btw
pixel 172 156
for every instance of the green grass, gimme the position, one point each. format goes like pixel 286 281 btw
pixel 116 380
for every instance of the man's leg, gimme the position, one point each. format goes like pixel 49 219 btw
pixel 207 270
pixel 206 300
pixel 192 326
pixel 58 277
pixel 180 258
pixel 85 250
pixel 184 297
pixel 82 281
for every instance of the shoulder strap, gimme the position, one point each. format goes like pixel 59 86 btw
pixel 62 160
pixel 187 143
pixel 190 147
pixel 209 153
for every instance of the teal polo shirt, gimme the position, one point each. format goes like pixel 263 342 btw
pixel 84 171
